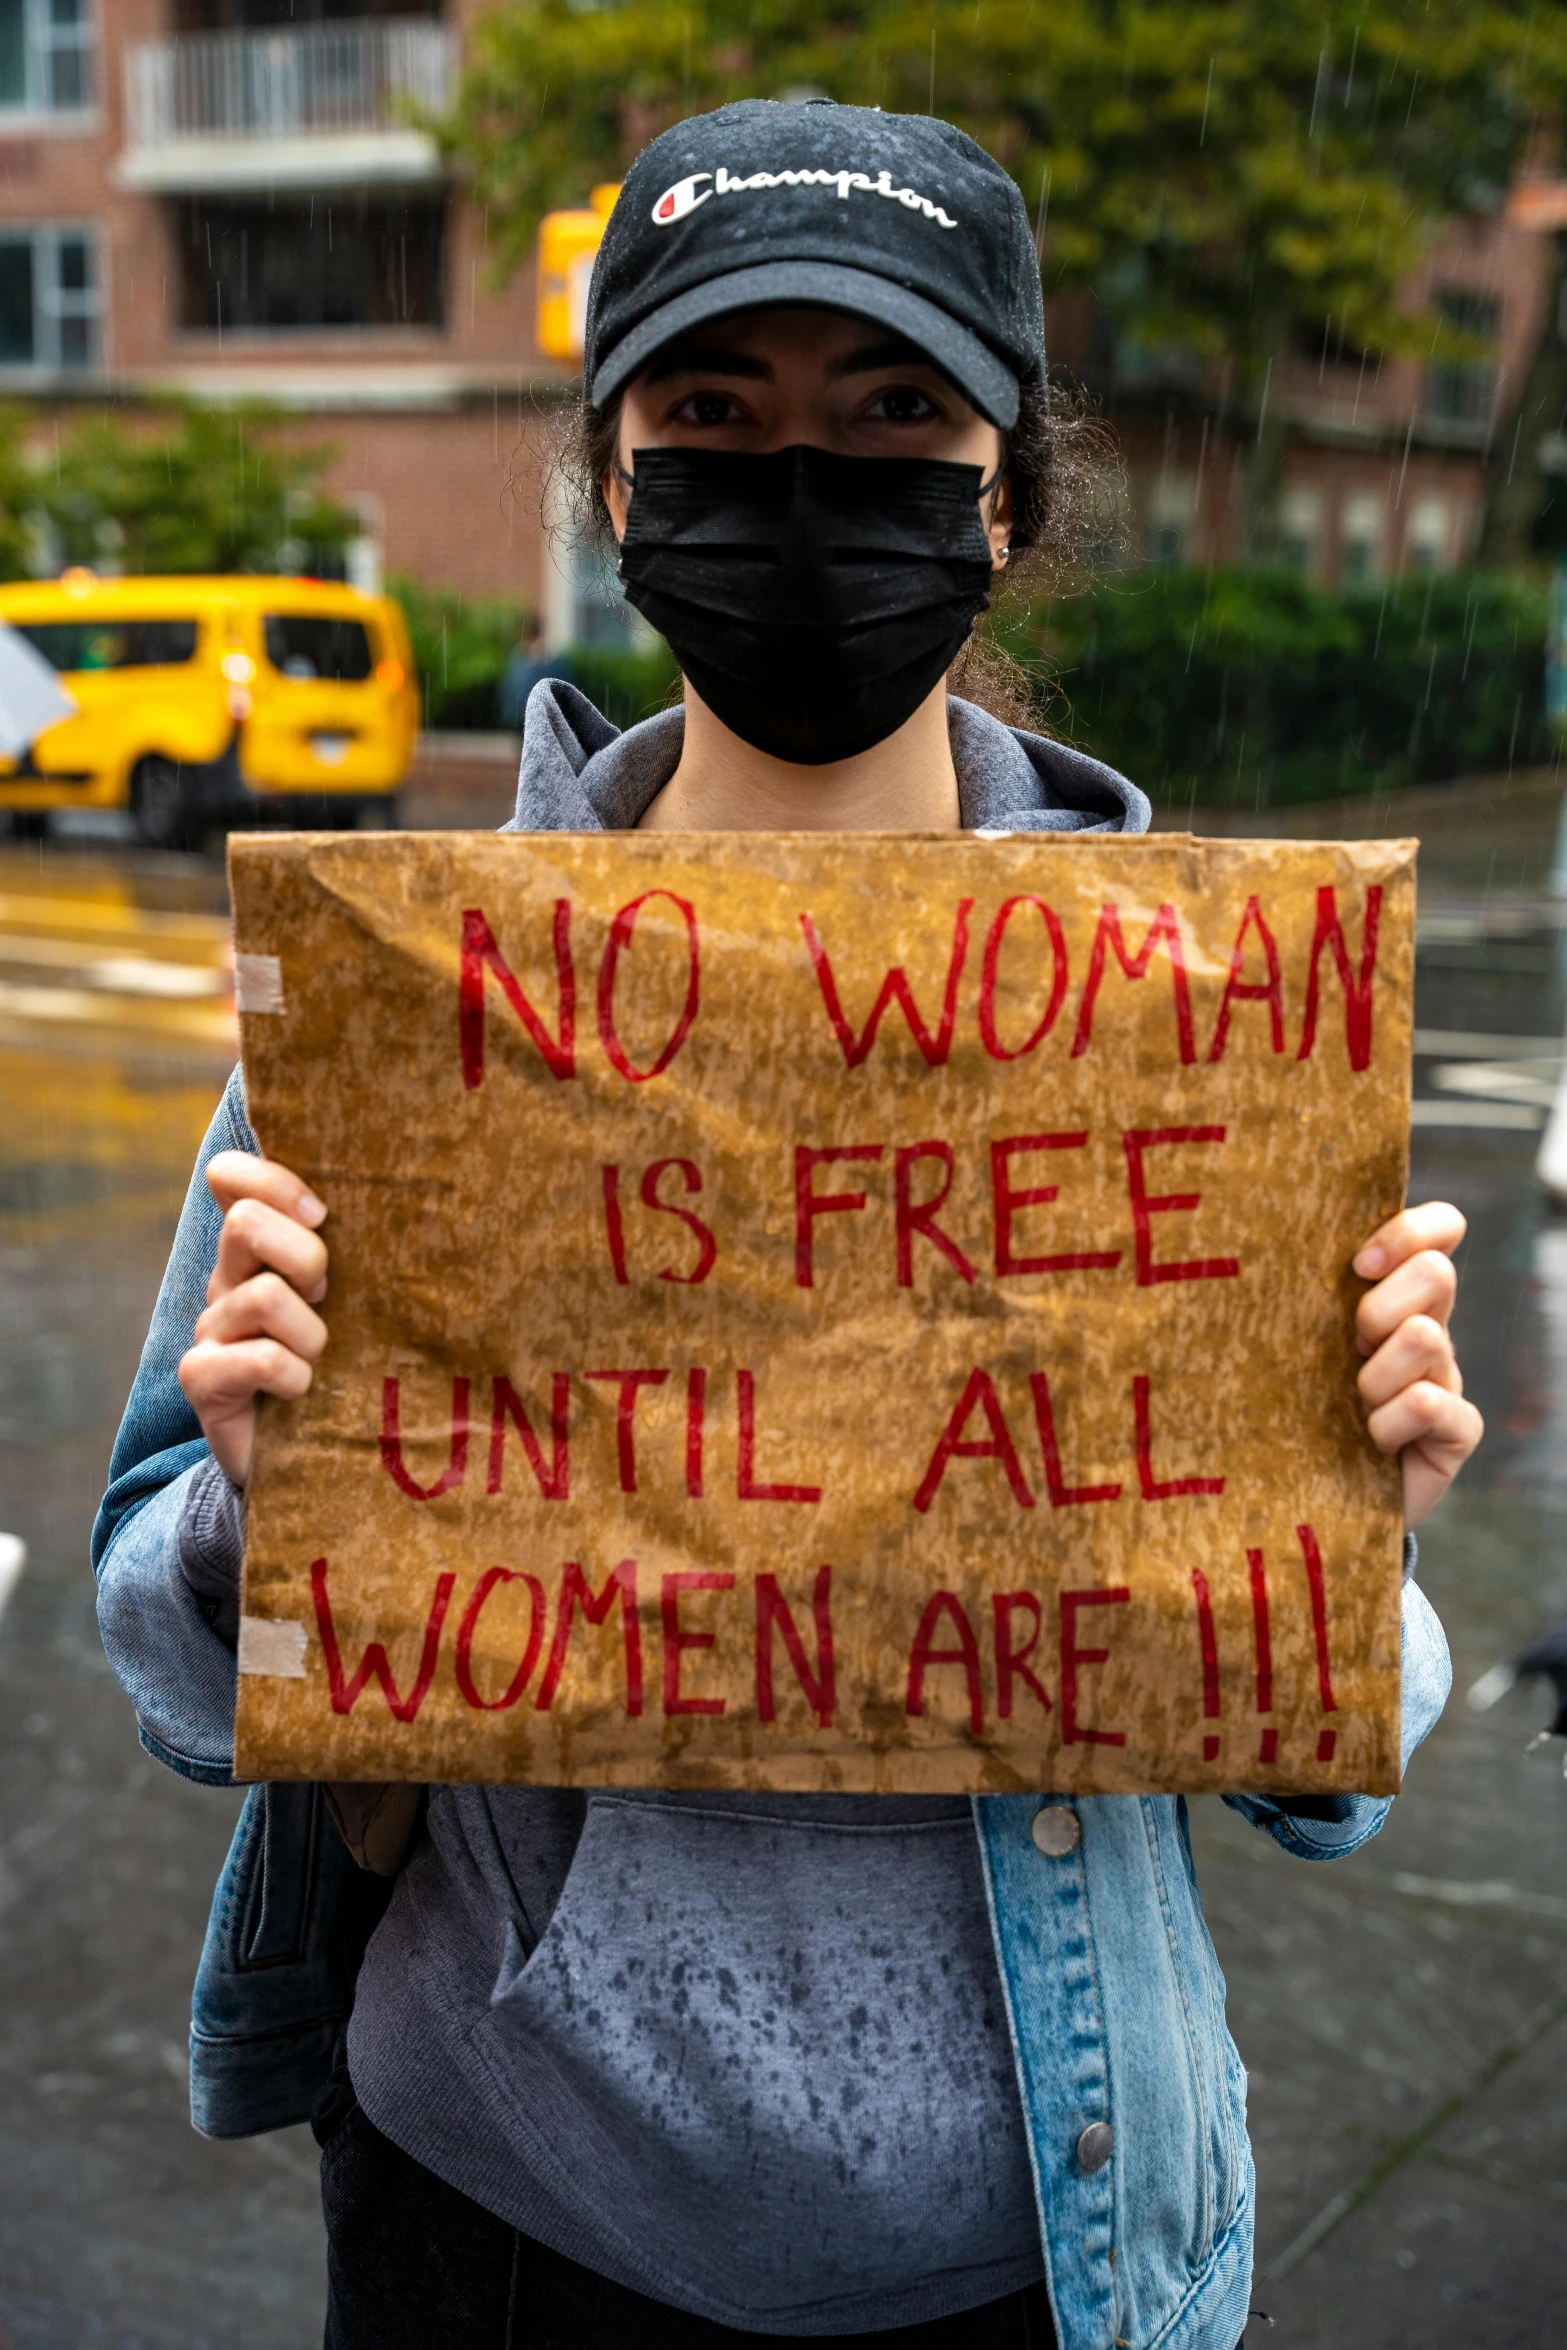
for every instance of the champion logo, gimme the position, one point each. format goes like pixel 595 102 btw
pixel 688 193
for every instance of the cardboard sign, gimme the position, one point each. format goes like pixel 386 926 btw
pixel 856 1312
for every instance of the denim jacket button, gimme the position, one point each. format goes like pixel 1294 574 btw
pixel 1056 1831
pixel 1095 2146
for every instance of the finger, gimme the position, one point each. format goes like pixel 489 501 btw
pixel 231 1439
pixel 265 1307
pixel 1425 1284
pixel 1435 1224
pixel 236 1175
pixel 1429 1467
pixel 217 1379
pixel 1446 1427
pixel 256 1237
pixel 1418 1349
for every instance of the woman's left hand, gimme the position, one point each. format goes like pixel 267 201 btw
pixel 1411 1386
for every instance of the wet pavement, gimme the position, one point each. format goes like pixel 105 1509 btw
pixel 1403 2015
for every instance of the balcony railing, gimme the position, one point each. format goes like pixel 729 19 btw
pixel 324 80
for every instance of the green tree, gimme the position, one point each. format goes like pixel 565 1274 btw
pixel 1526 509
pixel 18 499
pixel 203 490
pixel 1224 173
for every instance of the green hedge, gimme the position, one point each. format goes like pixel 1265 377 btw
pixel 1236 688
pixel 461 645
pixel 625 686
pixel 1253 688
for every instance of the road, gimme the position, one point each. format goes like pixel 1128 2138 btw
pixel 1403 2016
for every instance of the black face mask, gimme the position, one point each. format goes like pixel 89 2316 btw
pixel 813 600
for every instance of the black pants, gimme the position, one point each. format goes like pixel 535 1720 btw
pixel 413 2265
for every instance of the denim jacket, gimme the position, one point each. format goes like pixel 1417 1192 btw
pixel 1114 1995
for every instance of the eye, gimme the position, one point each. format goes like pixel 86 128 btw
pixel 708 408
pixel 902 404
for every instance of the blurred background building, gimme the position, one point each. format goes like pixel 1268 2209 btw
pixel 1387 459
pixel 226 201
pixel 234 199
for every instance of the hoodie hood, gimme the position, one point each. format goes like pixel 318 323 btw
pixel 580 774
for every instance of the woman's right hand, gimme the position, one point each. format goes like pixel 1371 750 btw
pixel 259 1334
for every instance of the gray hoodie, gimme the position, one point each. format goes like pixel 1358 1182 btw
pixel 746 2054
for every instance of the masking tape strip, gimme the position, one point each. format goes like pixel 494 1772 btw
pixel 258 983
pixel 272 1646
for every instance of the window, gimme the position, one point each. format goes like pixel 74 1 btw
pixel 48 299
pixel 1360 539
pixel 110 644
pixel 1172 513
pixel 314 262
pixel 1325 344
pixel 600 616
pixel 310 644
pixel 1425 542
pixel 45 55
pixel 1300 523
pixel 1460 391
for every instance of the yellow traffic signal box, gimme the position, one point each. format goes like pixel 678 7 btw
pixel 568 245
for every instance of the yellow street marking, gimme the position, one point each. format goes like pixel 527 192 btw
pixel 122 974
pixel 137 975
pixel 84 914
pixel 210 1022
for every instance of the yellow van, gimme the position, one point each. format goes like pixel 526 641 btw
pixel 217 701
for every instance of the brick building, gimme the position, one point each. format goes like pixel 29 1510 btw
pixel 225 197
pixel 1386 462
pixel 228 197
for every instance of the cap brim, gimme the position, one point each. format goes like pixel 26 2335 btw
pixel 983 379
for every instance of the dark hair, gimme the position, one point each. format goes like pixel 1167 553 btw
pixel 1064 468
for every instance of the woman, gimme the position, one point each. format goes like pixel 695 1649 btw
pixel 681 2070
